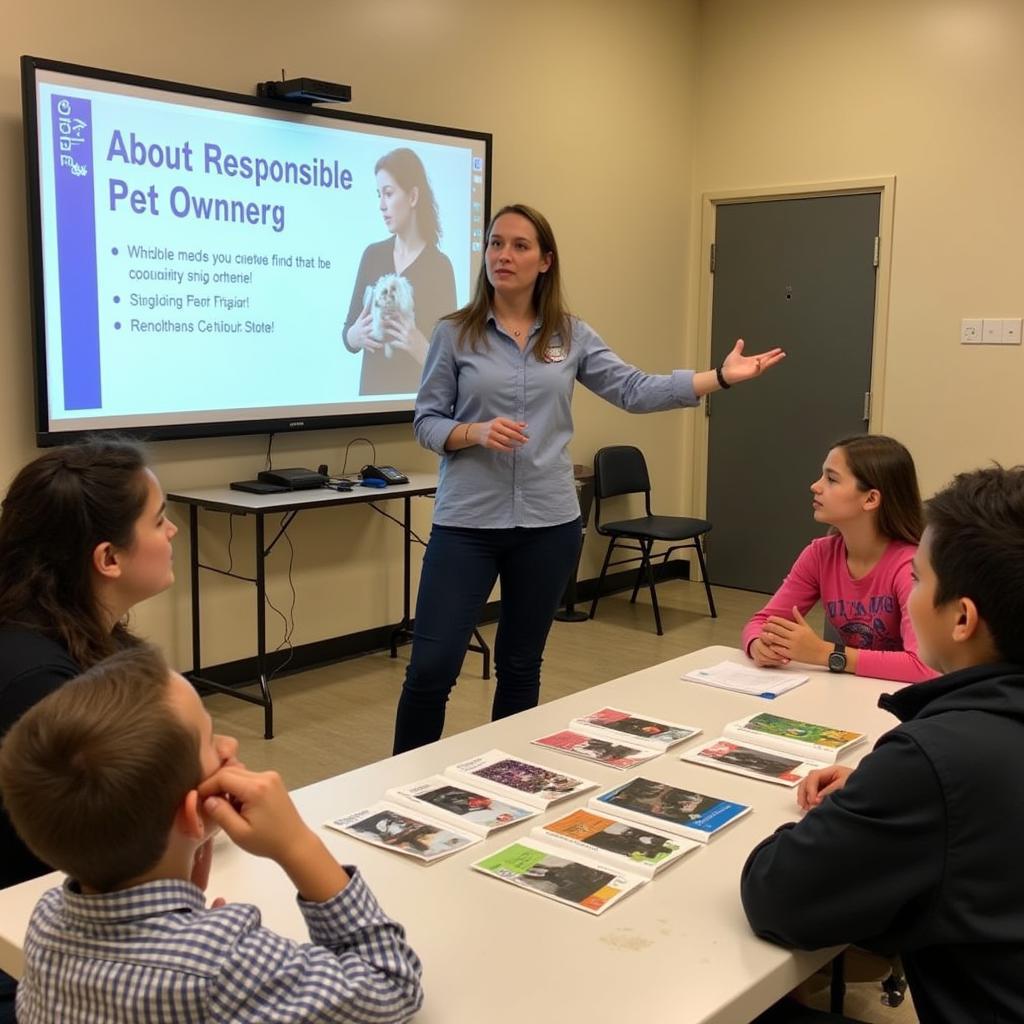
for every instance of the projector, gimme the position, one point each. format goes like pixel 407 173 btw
pixel 305 90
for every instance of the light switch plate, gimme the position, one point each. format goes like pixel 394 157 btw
pixel 992 332
pixel 1011 331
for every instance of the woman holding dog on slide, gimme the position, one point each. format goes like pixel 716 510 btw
pixel 495 404
pixel 393 339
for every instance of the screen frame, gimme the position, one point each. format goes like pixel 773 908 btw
pixel 45 435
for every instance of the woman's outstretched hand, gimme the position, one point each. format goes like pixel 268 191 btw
pixel 737 367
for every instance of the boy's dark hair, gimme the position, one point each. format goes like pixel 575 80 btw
pixel 977 550
pixel 93 774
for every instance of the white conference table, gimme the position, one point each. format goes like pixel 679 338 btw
pixel 677 949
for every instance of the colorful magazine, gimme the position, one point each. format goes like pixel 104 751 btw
pixel 609 752
pixel 559 875
pixel 396 828
pixel 519 780
pixel 618 844
pixel 468 808
pixel 754 762
pixel 790 736
pixel 679 811
pixel 638 730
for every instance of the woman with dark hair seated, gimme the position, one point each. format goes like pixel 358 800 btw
pixel 83 538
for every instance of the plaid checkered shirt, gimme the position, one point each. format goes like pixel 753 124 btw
pixel 154 954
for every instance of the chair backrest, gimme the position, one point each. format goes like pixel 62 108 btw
pixel 620 469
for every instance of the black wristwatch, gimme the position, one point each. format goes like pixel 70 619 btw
pixel 837 659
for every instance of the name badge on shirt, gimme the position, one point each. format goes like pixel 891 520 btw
pixel 555 353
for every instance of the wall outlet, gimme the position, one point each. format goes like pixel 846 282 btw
pixel 1011 332
pixel 970 332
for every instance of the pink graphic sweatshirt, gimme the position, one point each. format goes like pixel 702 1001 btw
pixel 869 613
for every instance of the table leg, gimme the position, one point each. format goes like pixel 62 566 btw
pixel 401 631
pixel 193 547
pixel 261 631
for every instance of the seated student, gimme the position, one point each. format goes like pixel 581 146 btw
pixel 83 538
pixel 867 493
pixel 917 851
pixel 116 780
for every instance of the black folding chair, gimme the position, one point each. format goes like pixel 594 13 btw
pixel 622 469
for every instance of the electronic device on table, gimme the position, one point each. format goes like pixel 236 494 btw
pixel 297 479
pixel 388 474
pixel 257 487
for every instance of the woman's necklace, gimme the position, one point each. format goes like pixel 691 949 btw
pixel 516 332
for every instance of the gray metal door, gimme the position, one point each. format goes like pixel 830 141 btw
pixel 799 273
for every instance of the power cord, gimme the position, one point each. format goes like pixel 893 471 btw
pixel 387 515
pixel 356 440
pixel 289 620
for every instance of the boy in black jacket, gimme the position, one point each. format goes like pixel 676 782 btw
pixel 918 852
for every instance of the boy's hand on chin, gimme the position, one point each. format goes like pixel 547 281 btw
pixel 254 809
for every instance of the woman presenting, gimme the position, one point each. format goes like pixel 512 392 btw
pixel 405 284
pixel 495 404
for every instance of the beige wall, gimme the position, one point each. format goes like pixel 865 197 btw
pixel 591 103
pixel 612 118
pixel 931 91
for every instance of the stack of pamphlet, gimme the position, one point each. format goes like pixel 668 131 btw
pixel 440 815
pixel 617 739
pixel 775 749
pixel 681 812
pixel 585 859
pixel 592 858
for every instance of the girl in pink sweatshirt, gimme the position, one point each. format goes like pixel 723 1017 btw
pixel 861 572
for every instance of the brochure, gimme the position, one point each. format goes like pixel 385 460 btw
pixel 517 779
pixel 755 762
pixel 396 828
pixel 559 875
pixel 641 730
pixel 618 844
pixel 608 752
pixel 761 682
pixel 790 736
pixel 467 808
pixel 679 811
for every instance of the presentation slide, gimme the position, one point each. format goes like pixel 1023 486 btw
pixel 210 261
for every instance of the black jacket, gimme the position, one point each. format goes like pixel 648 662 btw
pixel 31 666
pixel 920 853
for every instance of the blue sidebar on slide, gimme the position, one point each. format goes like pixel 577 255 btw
pixel 76 245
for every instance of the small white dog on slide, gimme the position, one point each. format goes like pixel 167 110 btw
pixel 391 294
